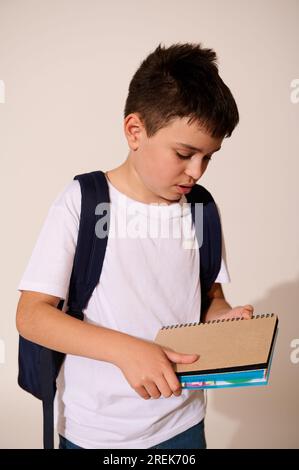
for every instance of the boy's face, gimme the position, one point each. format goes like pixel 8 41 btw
pixel 156 169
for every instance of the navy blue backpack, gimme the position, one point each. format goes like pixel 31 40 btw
pixel 38 365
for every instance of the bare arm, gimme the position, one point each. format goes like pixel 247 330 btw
pixel 218 304
pixel 39 321
pixel 219 308
pixel 145 365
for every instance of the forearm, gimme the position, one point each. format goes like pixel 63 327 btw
pixel 218 306
pixel 48 326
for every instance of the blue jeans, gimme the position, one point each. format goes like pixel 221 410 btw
pixel 192 438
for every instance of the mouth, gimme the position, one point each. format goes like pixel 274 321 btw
pixel 184 189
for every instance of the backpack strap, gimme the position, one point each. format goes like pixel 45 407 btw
pixel 86 272
pixel 90 252
pixel 209 236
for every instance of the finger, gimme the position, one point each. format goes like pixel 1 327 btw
pixel 180 357
pixel 142 392
pixel 152 389
pixel 236 312
pixel 249 307
pixel 173 382
pixel 163 387
pixel 247 315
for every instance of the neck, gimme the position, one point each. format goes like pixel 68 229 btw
pixel 126 179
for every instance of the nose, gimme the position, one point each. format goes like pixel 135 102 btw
pixel 195 168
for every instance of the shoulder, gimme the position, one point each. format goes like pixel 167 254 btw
pixel 69 198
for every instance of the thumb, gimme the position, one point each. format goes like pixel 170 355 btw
pixel 180 358
pixel 248 307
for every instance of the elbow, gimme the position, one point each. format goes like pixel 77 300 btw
pixel 20 321
pixel 25 319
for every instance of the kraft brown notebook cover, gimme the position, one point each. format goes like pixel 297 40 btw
pixel 223 345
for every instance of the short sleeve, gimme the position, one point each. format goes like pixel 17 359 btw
pixel 50 265
pixel 223 275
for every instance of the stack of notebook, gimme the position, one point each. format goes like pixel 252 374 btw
pixel 233 353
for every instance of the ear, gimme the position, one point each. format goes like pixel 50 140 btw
pixel 134 130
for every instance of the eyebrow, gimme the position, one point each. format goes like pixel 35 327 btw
pixel 190 147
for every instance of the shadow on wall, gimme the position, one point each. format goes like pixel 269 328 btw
pixel 268 416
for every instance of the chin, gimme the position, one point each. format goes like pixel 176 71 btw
pixel 174 198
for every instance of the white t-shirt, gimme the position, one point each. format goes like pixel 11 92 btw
pixel 146 282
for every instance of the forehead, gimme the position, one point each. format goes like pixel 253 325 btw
pixel 179 131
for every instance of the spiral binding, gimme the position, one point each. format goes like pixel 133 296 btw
pixel 182 325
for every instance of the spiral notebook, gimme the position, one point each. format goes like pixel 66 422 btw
pixel 224 346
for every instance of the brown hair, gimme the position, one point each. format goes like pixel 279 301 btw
pixel 182 81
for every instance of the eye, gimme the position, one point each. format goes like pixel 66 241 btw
pixel 186 157
pixel 183 157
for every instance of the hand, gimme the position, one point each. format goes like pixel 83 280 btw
pixel 245 311
pixel 147 368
